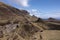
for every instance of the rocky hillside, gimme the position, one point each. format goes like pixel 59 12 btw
pixel 17 24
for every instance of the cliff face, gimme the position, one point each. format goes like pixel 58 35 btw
pixel 8 11
pixel 17 24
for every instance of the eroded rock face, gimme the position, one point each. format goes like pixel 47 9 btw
pixel 9 20
pixel 17 24
pixel 9 28
pixel 27 31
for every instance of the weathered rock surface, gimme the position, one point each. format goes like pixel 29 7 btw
pixel 17 24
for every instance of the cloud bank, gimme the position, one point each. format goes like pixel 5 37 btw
pixel 38 13
pixel 23 3
pixel 52 14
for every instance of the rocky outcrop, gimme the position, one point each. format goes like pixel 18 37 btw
pixel 17 24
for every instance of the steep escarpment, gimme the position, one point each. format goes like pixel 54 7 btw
pixel 16 24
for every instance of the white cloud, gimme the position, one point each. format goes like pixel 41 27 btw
pixel 38 13
pixel 35 12
pixel 54 15
pixel 22 2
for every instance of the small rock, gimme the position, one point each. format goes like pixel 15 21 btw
pixel 1 34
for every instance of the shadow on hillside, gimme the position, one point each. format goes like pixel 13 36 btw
pixel 53 27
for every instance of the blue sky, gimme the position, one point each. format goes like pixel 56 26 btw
pixel 39 8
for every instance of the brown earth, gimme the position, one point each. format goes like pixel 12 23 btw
pixel 17 24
